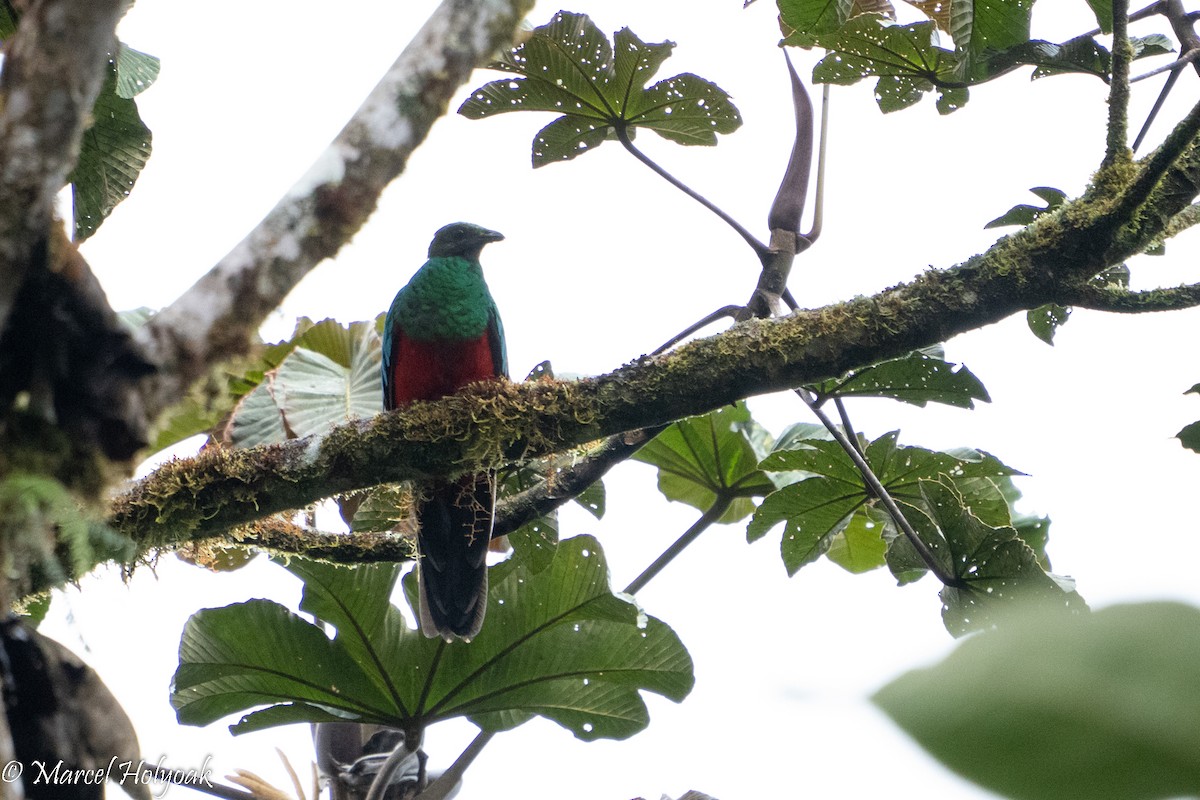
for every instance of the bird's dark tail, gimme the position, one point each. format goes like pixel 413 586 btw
pixel 455 524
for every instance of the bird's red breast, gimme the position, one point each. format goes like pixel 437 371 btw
pixel 429 370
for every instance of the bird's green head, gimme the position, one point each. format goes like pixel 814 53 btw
pixel 461 239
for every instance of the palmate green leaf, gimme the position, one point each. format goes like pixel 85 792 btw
pixel 829 504
pixel 256 419
pixel 921 377
pixel 1049 708
pixel 816 510
pixel 992 567
pixel 860 546
pixel 906 59
pixel 326 374
pixel 136 71
pixel 557 644
pixel 701 458
pixel 980 27
pixel 569 67
pixel 801 19
pixel 258 653
pixel 112 154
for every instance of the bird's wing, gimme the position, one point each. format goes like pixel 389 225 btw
pixel 495 334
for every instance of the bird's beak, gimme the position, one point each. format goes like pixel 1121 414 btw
pixel 491 236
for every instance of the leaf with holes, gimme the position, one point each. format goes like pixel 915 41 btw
pixel 907 59
pixel 558 644
pixel 991 567
pixel 921 377
pixel 112 154
pixel 702 458
pixel 829 498
pixel 1045 321
pixel 807 17
pixel 569 67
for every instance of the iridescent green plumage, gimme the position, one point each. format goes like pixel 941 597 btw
pixel 442 333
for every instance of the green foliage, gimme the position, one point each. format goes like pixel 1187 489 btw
pixel 327 374
pixel 1023 214
pixel 46 538
pixel 557 644
pixel 992 568
pixel 1102 706
pixel 116 147
pixel 1189 437
pixel 830 499
pixel 990 40
pixel 700 459
pixel 569 67
pixel 920 377
pixel 1045 320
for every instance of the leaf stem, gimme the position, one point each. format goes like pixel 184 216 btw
pixel 759 248
pixel 401 754
pixel 444 785
pixel 876 486
pixel 715 511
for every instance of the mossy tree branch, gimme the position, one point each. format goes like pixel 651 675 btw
pixel 490 424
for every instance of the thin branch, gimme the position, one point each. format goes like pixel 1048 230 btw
pixel 279 534
pixel 1182 61
pixel 1116 149
pixel 707 519
pixel 1183 25
pixel 1155 166
pixel 1185 219
pixel 491 424
pixel 1123 301
pixel 540 500
pixel 877 489
pixel 759 248
pixel 219 316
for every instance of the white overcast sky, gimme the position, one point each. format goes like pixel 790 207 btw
pixel 604 261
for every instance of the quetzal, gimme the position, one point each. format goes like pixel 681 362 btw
pixel 443 332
